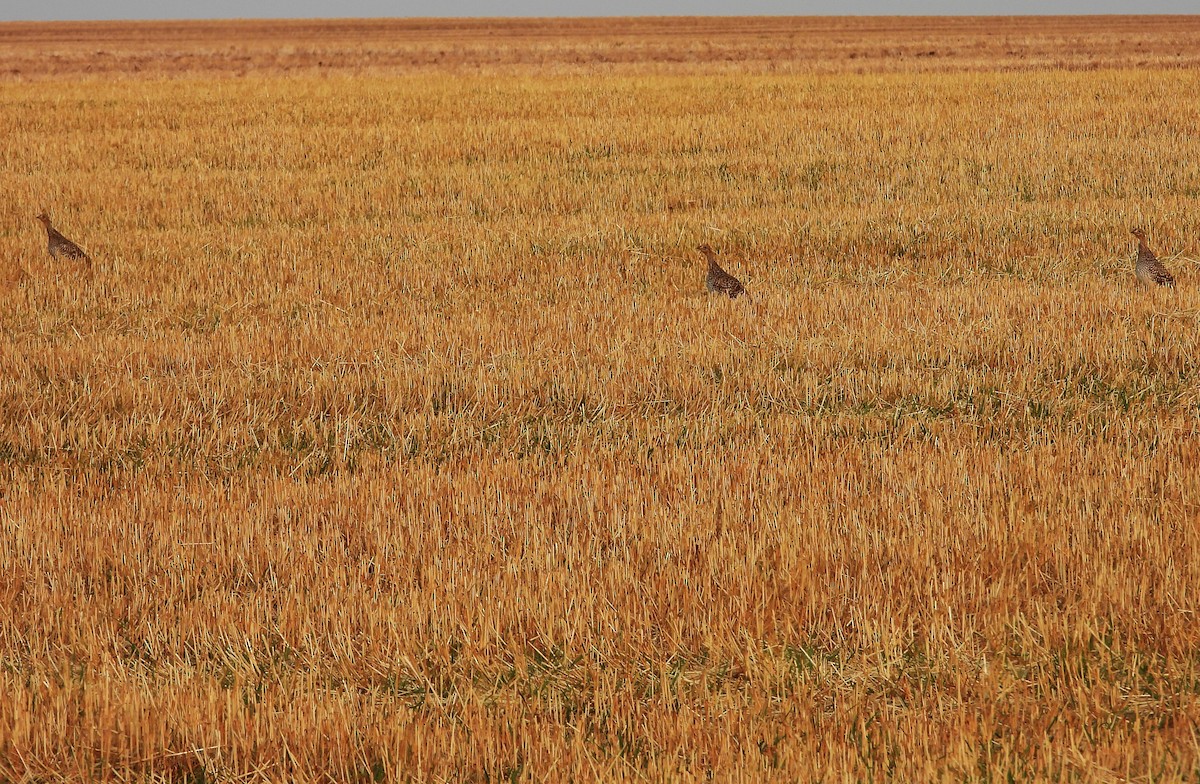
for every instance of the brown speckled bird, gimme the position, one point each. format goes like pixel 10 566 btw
pixel 1149 269
pixel 718 279
pixel 60 246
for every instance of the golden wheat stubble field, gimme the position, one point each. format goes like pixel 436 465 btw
pixel 393 437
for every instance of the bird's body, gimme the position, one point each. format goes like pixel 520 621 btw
pixel 719 280
pixel 58 245
pixel 1150 271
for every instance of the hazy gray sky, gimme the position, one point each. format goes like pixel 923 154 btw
pixel 219 9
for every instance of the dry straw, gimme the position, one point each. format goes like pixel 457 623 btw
pixel 394 435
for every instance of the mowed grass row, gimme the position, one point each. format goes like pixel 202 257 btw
pixel 392 434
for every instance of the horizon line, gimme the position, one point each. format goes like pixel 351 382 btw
pixel 583 17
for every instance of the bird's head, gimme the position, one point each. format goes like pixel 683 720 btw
pixel 706 249
pixel 1138 232
pixel 44 218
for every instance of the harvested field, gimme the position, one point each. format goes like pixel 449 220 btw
pixel 812 45
pixel 392 436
